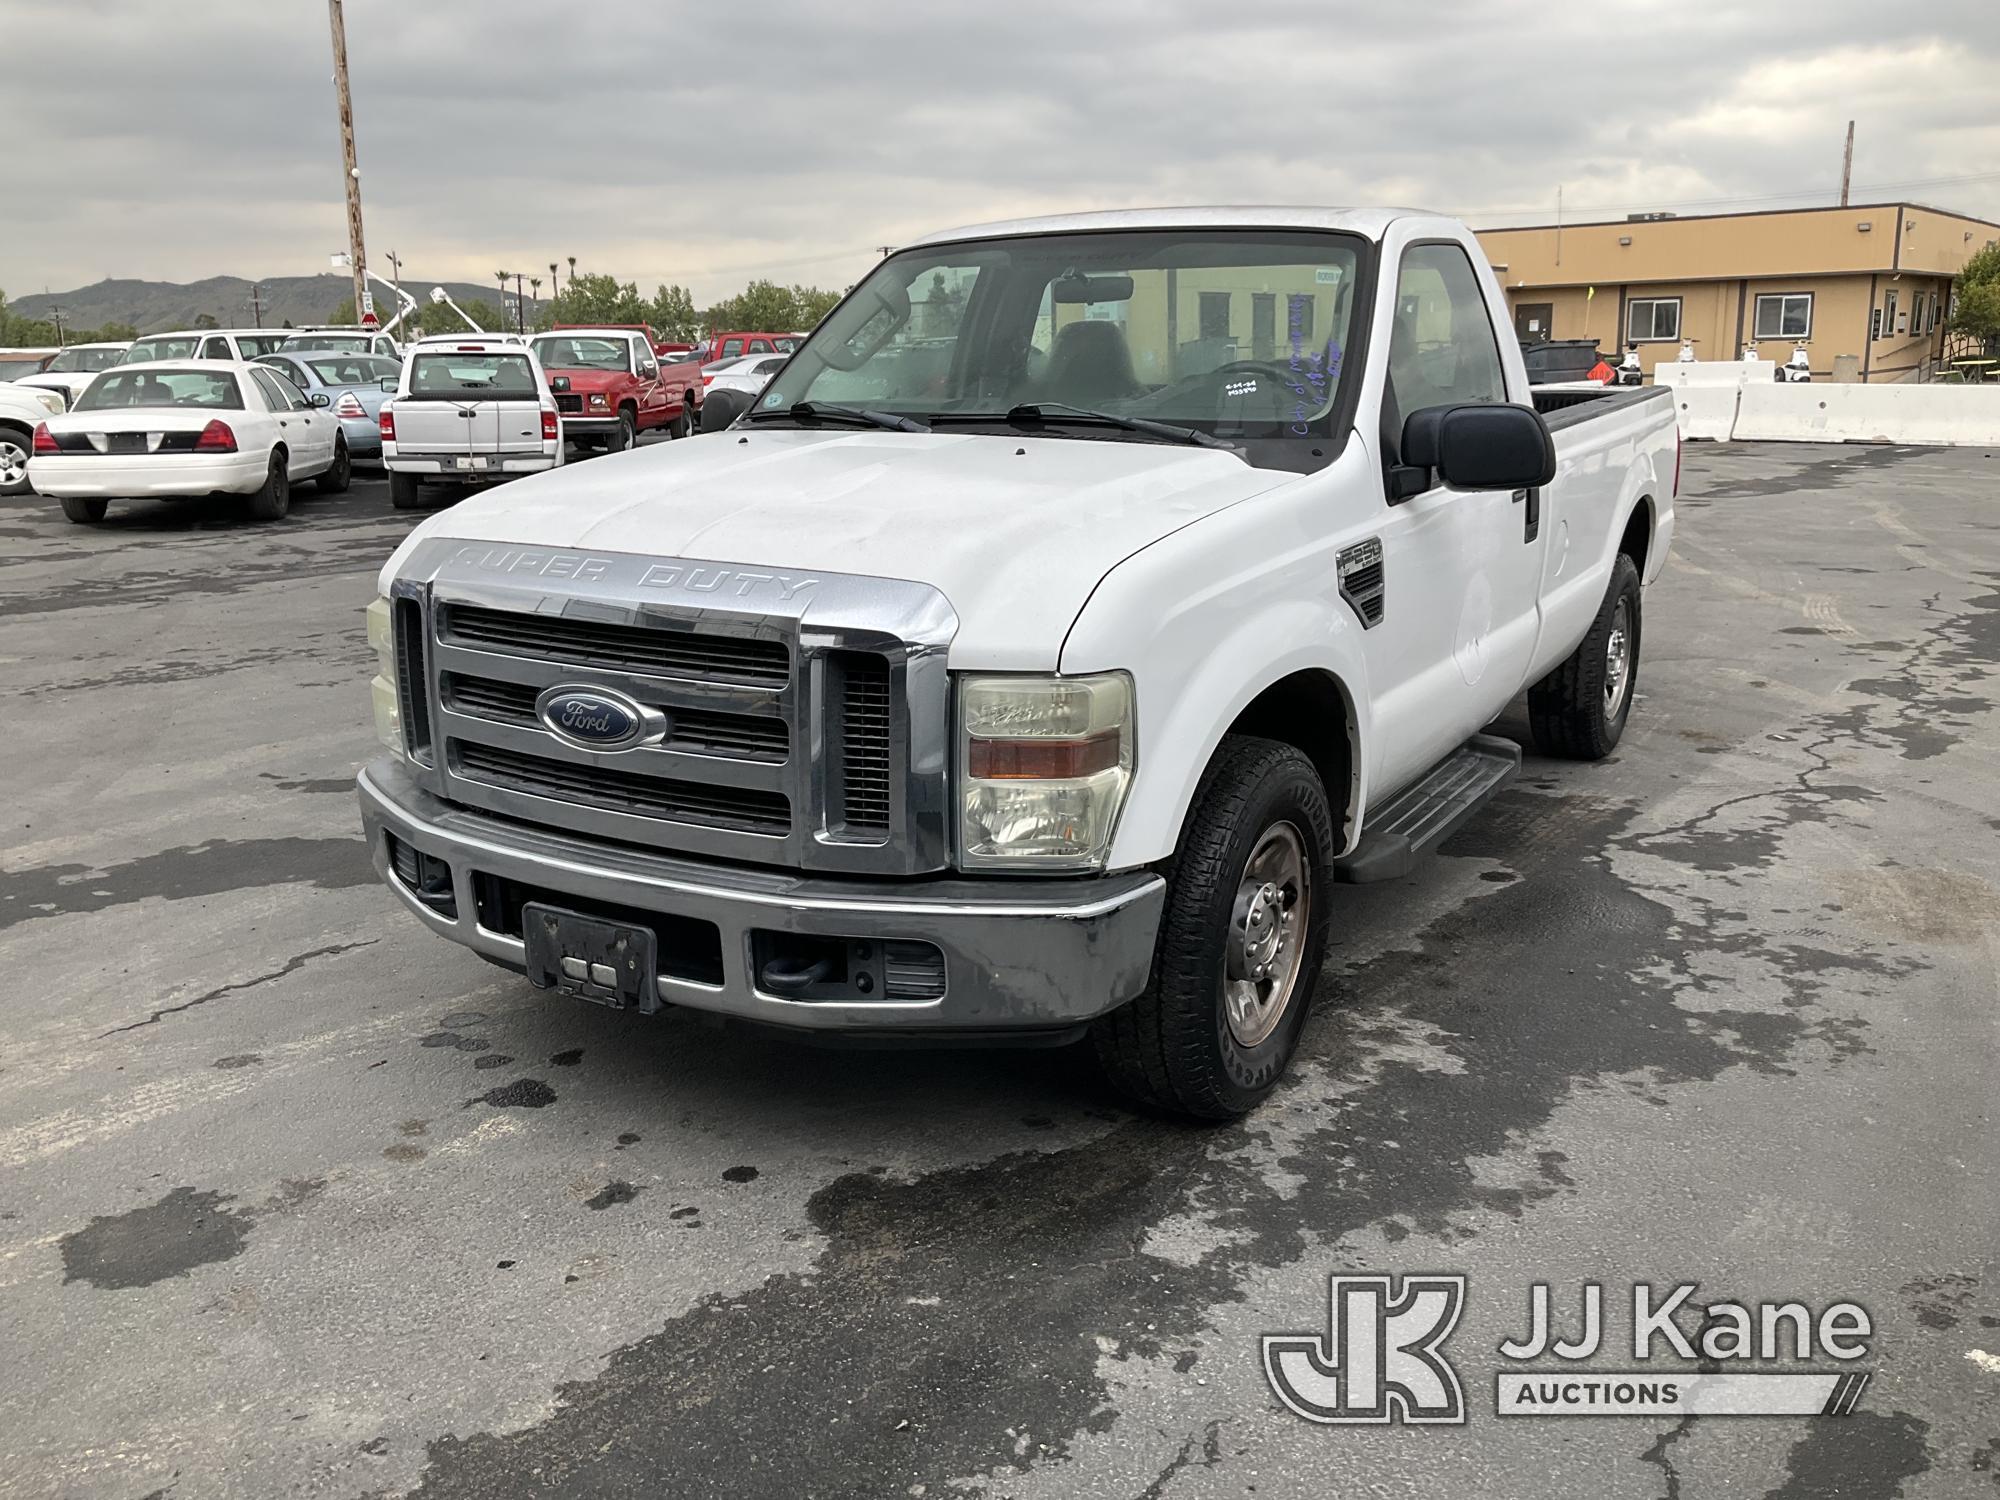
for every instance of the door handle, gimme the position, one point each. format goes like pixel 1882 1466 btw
pixel 1532 522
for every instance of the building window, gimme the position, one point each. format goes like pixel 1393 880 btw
pixel 1784 315
pixel 1889 314
pixel 1214 315
pixel 1652 318
pixel 1263 324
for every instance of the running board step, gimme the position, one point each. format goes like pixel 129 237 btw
pixel 1427 812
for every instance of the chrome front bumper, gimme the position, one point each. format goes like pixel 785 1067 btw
pixel 1020 955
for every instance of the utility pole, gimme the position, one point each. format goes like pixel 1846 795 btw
pixel 1847 165
pixel 257 303
pixel 887 250
pixel 56 317
pixel 352 173
pixel 396 275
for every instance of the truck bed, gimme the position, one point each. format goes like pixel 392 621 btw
pixel 1566 406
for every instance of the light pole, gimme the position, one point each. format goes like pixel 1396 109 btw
pixel 351 172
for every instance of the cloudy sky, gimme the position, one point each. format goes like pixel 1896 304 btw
pixel 709 143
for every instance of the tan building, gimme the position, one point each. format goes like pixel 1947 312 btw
pixel 1872 281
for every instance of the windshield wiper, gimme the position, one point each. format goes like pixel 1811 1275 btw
pixel 1062 412
pixel 823 411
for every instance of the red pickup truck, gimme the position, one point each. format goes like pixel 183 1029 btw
pixel 610 386
pixel 721 346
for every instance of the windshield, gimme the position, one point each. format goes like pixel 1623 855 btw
pixel 356 342
pixel 254 344
pixel 121 388
pixel 355 369
pixel 148 350
pixel 14 369
pixel 1238 334
pixel 85 359
pixel 584 354
pixel 457 376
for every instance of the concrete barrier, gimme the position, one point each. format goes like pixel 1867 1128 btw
pixel 1705 395
pixel 1925 415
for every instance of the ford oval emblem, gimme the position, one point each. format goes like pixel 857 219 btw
pixel 597 718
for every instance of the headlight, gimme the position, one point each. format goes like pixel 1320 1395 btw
pixel 1043 767
pixel 382 637
pixel 598 401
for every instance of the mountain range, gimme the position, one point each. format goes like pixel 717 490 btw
pixel 159 306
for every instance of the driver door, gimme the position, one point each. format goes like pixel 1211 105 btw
pixel 1461 568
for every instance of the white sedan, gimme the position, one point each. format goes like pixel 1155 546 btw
pixel 184 428
pixel 750 374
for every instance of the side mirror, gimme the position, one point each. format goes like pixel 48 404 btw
pixel 320 398
pixel 389 384
pixel 1481 446
pixel 720 408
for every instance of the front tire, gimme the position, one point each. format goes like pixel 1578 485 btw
pixel 684 424
pixel 1579 710
pixel 83 512
pixel 1242 938
pixel 405 493
pixel 15 445
pixel 628 433
pixel 274 501
pixel 336 479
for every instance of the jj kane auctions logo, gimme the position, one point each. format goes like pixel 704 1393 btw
pixel 1382 1357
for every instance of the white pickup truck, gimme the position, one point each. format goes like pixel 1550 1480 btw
pixel 1082 603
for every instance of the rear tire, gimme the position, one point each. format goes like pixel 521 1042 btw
pixel 274 501
pixel 1235 969
pixel 405 493
pixel 336 479
pixel 1579 710
pixel 83 512
pixel 15 445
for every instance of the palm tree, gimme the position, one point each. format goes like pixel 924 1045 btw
pixel 555 283
pixel 535 286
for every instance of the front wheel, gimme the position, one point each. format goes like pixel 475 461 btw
pixel 1579 710
pixel 1242 937
pixel 627 437
pixel 274 501
pixel 683 425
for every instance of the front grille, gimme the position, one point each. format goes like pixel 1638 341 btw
pixel 413 699
pixel 859 699
pixel 570 404
pixel 698 731
pixel 700 656
pixel 740 809
pixel 912 970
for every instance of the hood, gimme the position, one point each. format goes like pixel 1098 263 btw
pixel 1014 531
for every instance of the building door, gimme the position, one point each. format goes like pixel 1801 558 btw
pixel 1532 320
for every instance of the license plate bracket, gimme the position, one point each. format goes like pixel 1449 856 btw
pixel 474 461
pixel 608 963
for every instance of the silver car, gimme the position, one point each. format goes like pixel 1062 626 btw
pixel 352 385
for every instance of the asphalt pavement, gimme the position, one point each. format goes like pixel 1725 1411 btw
pixel 296 1199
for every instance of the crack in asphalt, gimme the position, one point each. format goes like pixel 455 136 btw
pixel 291 966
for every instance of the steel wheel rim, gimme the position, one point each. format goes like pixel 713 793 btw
pixel 1617 658
pixel 1267 935
pixel 13 462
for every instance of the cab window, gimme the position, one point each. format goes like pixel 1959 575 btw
pixel 1441 346
pixel 732 348
pixel 215 349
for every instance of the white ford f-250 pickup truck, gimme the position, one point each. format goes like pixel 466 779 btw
pixel 1083 601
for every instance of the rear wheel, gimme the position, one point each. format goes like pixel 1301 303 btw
pixel 405 493
pixel 1242 938
pixel 335 480
pixel 274 501
pixel 83 512
pixel 1579 710
pixel 14 447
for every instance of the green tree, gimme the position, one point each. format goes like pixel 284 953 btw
pixel 205 320
pixel 435 317
pixel 343 314
pixel 814 304
pixel 1976 297
pixel 672 314
pixel 599 299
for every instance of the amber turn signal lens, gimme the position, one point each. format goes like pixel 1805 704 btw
pixel 1041 760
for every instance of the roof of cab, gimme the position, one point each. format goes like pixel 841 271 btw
pixel 1369 222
